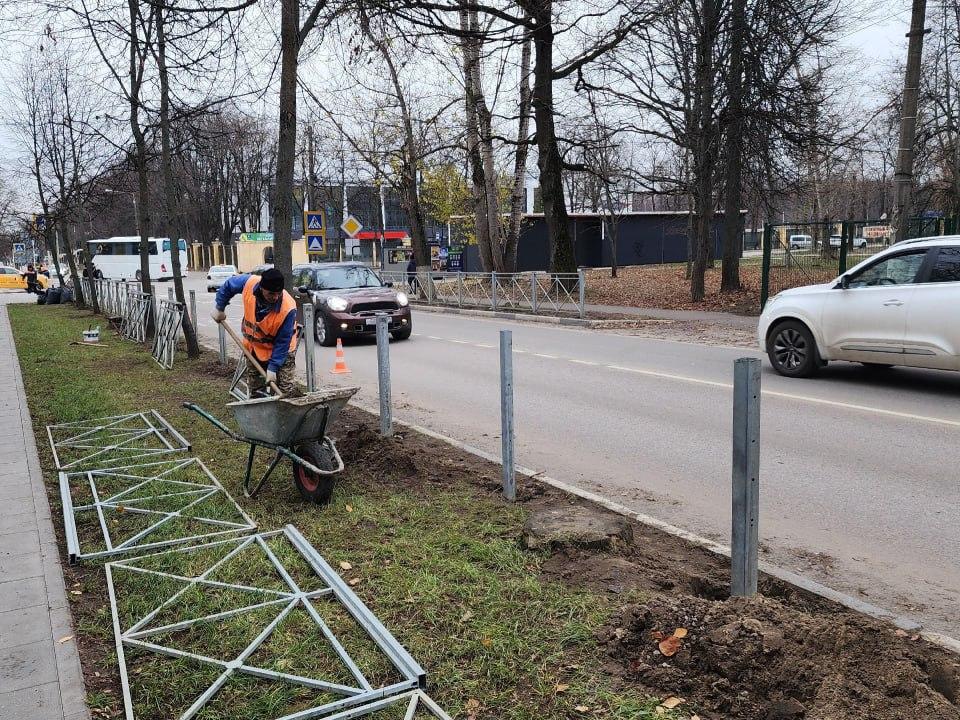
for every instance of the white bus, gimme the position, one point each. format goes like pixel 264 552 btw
pixel 118 258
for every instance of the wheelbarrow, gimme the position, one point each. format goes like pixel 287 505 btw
pixel 294 428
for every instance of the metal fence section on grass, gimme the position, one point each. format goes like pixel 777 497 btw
pixel 114 441
pixel 235 607
pixel 169 318
pixel 138 508
pixel 540 293
pixel 137 317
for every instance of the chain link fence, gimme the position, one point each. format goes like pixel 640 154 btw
pixel 796 254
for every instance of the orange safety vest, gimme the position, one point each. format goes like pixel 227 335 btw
pixel 259 336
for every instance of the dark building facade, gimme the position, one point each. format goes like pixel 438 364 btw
pixel 643 238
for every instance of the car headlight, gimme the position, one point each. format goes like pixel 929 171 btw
pixel 402 299
pixel 337 303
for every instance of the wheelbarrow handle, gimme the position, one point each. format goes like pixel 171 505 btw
pixel 250 357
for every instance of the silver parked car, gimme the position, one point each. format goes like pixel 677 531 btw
pixel 218 274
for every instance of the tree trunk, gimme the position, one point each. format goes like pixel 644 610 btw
pixel 169 193
pixel 703 163
pixel 478 181
pixel 733 226
pixel 562 254
pixel 517 198
pixel 287 139
pixel 72 264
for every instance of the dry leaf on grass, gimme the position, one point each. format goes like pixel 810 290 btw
pixel 76 592
pixel 346 566
pixel 671 702
pixel 466 616
pixel 669 646
pixel 486 642
pixel 354 581
pixel 562 688
pixel 582 708
pixel 472 707
pixel 349 508
pixel 680 633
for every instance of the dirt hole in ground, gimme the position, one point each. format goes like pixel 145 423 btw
pixel 757 658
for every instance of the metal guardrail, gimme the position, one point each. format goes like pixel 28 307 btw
pixel 539 293
pixel 136 315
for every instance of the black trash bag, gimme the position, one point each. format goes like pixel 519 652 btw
pixel 66 295
pixel 41 298
pixel 54 296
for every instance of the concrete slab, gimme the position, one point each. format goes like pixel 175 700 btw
pixel 24 625
pixel 21 522
pixel 39 702
pixel 28 665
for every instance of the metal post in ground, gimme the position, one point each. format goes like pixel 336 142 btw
pixel 493 290
pixel 309 347
pixel 506 414
pixel 746 477
pixel 533 292
pixel 383 375
pixel 582 284
pixel 459 289
pixel 222 338
pixel 193 309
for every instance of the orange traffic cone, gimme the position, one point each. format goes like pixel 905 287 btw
pixel 340 366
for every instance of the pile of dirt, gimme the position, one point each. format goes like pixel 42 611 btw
pixel 759 658
pixel 362 445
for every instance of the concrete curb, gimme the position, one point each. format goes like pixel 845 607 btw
pixel 904 623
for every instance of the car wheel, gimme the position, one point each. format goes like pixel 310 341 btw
pixel 323 332
pixel 402 334
pixel 792 349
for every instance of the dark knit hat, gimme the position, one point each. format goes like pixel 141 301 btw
pixel 272 280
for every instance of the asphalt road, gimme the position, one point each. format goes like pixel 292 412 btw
pixel 859 480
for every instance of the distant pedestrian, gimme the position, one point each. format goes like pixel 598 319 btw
pixel 412 274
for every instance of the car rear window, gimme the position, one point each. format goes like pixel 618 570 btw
pixel 947 268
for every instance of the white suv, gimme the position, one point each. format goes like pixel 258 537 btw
pixel 898 307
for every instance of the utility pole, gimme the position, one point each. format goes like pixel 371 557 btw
pixel 310 189
pixel 903 177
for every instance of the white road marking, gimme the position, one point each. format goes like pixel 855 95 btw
pixel 729 386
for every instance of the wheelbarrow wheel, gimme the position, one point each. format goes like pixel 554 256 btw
pixel 313 487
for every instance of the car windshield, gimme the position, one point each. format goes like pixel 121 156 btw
pixel 341 278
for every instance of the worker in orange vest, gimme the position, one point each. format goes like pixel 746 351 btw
pixel 269 327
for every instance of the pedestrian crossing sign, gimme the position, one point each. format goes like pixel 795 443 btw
pixel 314 243
pixel 313 223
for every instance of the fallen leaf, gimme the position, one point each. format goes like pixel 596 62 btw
pixel 65 638
pixel 486 642
pixel 694 717
pixel 660 710
pixel 680 633
pixel 76 592
pixel 473 704
pixel 354 581
pixel 466 616
pixel 671 702
pixel 387 562
pixel 562 688
pixel 901 633
pixel 669 646
pixel 121 508
pixel 349 508
pixel 96 674
pixel 344 565
pixel 914 637
pixel 582 708
pixel 657 635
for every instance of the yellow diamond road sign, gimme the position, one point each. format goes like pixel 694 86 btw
pixel 351 226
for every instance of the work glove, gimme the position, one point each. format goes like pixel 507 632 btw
pixel 218 315
pixel 271 377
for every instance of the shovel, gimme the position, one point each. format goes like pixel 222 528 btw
pixel 250 358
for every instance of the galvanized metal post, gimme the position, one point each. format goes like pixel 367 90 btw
pixel 493 290
pixel 193 309
pixel 170 294
pixel 506 414
pixel 459 289
pixel 746 477
pixel 383 375
pixel 765 267
pixel 533 292
pixel 222 338
pixel 309 347
pixel 582 283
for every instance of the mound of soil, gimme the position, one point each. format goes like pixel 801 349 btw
pixel 760 658
pixel 383 456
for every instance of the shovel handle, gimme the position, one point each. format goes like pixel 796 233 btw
pixel 250 357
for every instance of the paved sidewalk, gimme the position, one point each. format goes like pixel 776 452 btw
pixel 706 316
pixel 40 676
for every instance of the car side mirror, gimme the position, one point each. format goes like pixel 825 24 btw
pixel 845 282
